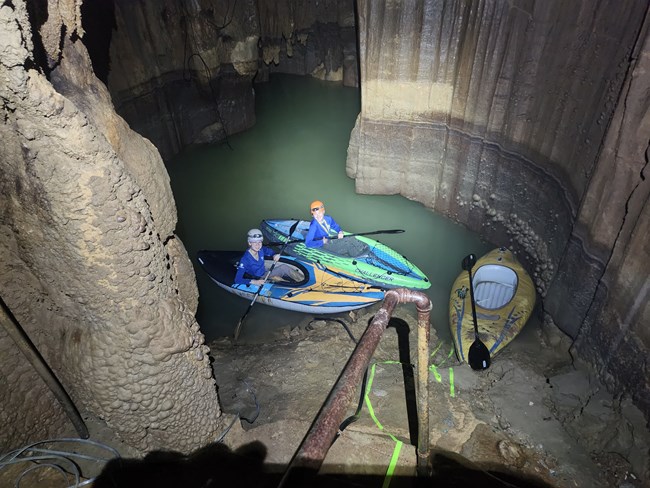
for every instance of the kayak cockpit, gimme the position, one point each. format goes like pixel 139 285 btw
pixel 494 286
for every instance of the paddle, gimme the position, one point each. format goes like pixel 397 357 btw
pixel 386 231
pixel 479 355
pixel 259 289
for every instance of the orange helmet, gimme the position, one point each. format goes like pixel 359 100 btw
pixel 315 205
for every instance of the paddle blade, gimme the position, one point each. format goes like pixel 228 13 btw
pixel 238 328
pixel 292 230
pixel 468 262
pixel 478 356
pixel 241 320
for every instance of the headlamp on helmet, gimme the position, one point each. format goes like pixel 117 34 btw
pixel 315 206
pixel 255 235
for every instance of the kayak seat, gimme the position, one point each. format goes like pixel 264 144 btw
pixel 295 275
pixel 493 295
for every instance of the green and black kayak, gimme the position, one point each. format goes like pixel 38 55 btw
pixel 372 262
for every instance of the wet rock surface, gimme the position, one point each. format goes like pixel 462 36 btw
pixel 88 254
pixel 533 417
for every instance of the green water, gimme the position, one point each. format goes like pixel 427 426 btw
pixel 295 154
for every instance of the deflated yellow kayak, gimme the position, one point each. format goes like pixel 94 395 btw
pixel 504 296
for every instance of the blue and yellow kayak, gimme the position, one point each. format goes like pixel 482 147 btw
pixel 376 263
pixel 504 295
pixel 319 291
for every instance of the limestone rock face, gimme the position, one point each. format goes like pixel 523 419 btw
pixel 28 408
pixel 495 115
pixel 89 263
pixel 309 38
pixel 608 253
pixel 182 73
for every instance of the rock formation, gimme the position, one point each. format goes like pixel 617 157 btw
pixel 477 115
pixel 182 73
pixel 525 121
pixel 89 263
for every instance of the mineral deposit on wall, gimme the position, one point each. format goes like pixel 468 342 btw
pixel 89 262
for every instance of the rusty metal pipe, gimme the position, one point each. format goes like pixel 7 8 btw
pixel 25 345
pixel 424 306
pixel 312 451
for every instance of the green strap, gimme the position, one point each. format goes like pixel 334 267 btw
pixel 398 444
pixel 434 367
pixel 435 350
pixel 451 351
pixel 391 466
pixel 452 392
pixel 435 372
pixel 371 411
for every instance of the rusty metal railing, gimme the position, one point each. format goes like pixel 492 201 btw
pixel 25 345
pixel 312 451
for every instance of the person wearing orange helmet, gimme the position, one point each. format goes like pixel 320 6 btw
pixel 321 227
pixel 326 233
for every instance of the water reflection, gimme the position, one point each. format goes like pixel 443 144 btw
pixel 296 154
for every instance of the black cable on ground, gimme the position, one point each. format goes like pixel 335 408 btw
pixel 257 405
pixel 58 459
pixel 238 416
pixel 14 330
pixel 353 418
pixel 326 319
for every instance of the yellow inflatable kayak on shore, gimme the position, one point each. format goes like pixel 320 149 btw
pixel 504 296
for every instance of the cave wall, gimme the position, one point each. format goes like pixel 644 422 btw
pixel 182 73
pixel 89 263
pixel 608 252
pixel 466 107
pixel 26 414
pixel 516 119
pixel 309 38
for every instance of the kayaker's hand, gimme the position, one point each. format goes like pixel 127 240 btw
pixel 257 282
pixel 325 240
pixel 340 234
pixel 276 257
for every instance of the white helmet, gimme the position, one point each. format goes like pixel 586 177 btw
pixel 255 235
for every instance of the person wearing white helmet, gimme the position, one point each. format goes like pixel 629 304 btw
pixel 252 262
